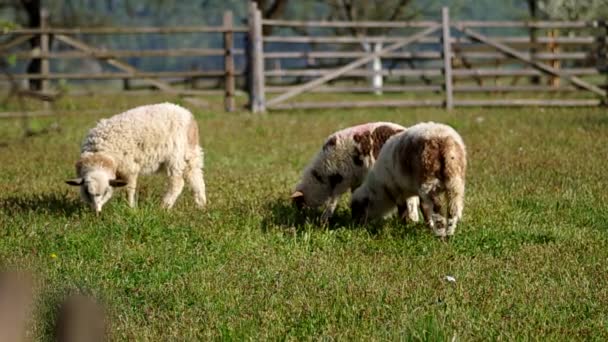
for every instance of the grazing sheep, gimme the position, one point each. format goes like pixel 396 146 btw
pixel 428 160
pixel 141 141
pixel 342 164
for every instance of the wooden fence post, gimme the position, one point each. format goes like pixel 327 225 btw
pixel 604 58
pixel 447 58
pixel 44 50
pixel 257 101
pixel 228 62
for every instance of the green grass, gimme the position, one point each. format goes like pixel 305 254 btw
pixel 530 258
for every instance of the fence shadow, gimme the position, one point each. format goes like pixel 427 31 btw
pixel 54 204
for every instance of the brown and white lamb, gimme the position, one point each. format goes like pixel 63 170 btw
pixel 427 160
pixel 342 164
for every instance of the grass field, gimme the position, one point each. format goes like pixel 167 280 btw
pixel 530 257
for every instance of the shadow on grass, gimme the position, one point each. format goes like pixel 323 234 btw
pixel 501 243
pixel 283 214
pixel 55 204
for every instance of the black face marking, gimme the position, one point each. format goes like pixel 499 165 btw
pixel 357 160
pixel 389 194
pixel 359 208
pixel 87 194
pixel 317 176
pixel 331 142
pixel 335 179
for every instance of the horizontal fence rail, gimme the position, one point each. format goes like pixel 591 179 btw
pixel 423 63
pixel 74 46
pixel 130 30
pixel 421 24
pixel 565 58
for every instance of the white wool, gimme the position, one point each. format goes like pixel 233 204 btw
pixel 140 141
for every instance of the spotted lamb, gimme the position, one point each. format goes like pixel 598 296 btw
pixel 427 160
pixel 342 164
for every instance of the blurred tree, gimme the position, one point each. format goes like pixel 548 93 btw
pixel 381 10
pixel 271 9
pixel 567 9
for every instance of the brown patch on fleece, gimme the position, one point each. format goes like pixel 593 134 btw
pixel 455 159
pixel 380 135
pixel 365 143
pixel 438 157
pixel 94 160
pixel 193 134
pixel 331 142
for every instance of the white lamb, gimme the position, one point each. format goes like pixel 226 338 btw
pixel 141 141
pixel 428 160
pixel 342 164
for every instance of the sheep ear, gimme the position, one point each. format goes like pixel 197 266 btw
pixel 75 181
pixel 297 195
pixel 117 183
pixel 298 199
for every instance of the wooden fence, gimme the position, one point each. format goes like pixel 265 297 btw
pixel 75 39
pixel 414 63
pixel 448 63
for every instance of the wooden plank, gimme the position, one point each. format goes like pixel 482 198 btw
pixel 147 76
pixel 538 65
pixel 351 66
pixel 421 55
pixel 423 24
pixel 529 102
pixel 127 30
pixel 359 104
pixel 527 24
pixel 349 54
pixel 127 53
pixel 447 58
pixel 15 42
pixel 46 112
pixel 512 88
pixel 582 40
pixel 352 89
pixel 430 72
pixel 44 62
pixel 521 72
pixel 229 104
pixel 142 92
pixel 604 49
pixel 538 56
pixel 114 62
pixel 257 101
pixel 358 24
pixel 339 39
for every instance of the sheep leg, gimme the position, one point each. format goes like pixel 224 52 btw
pixel 432 207
pixel 176 185
pixel 197 183
pixel 131 190
pixel 330 208
pixel 409 211
pixel 455 199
